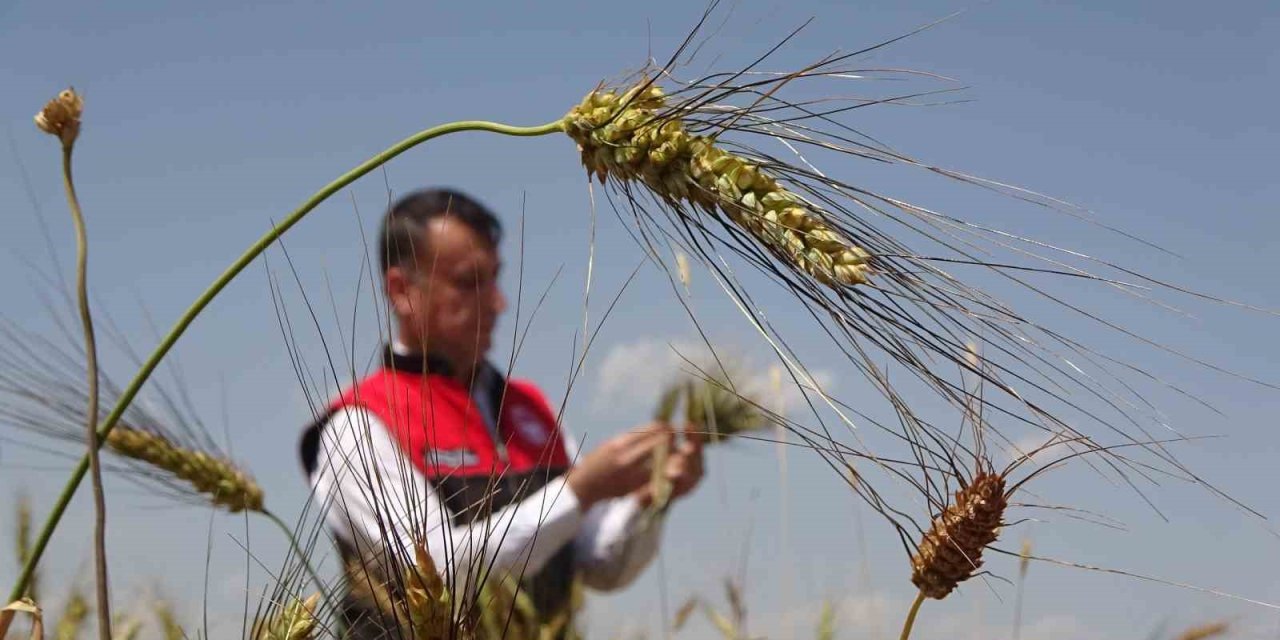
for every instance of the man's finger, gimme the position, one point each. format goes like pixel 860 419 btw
pixel 650 430
pixel 696 435
pixel 652 439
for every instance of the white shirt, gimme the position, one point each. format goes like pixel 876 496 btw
pixel 373 493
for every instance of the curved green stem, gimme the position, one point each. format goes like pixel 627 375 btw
pixel 293 544
pixel 911 616
pixel 101 581
pixel 227 276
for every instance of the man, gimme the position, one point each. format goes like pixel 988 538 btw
pixel 437 448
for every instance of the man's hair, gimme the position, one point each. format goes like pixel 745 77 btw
pixel 401 237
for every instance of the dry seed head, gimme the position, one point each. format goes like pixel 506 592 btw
pixel 623 134
pixel 221 481
pixel 61 116
pixel 951 551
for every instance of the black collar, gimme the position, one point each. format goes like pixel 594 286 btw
pixel 415 363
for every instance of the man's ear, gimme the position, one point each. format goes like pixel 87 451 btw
pixel 399 284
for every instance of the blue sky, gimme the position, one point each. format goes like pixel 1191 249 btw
pixel 204 123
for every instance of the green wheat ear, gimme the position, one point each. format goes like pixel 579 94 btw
pixel 221 481
pixel 711 406
pixel 623 135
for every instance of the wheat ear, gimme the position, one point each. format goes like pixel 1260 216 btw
pixel 225 484
pixel 623 134
pixel 951 551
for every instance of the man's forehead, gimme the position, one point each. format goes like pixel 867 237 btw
pixel 450 228
pixel 453 240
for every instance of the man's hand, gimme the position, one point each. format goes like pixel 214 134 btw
pixel 618 467
pixel 684 469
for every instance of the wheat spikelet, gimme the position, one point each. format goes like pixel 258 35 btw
pixel 296 621
pixel 1205 631
pixel 684 612
pixel 61 116
pixel 827 622
pixel 366 586
pixel 23 537
pixel 621 134
pixel 170 628
pixel 429 603
pixel 712 405
pixel 420 602
pixel 507 612
pixel 74 613
pixel 126 628
pixel 220 480
pixel 424 608
pixel 951 551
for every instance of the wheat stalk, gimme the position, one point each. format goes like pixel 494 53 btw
pixel 61 118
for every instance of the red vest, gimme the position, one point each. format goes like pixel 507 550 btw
pixel 441 431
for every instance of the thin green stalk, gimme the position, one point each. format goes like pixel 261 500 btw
pixel 91 419
pixel 911 616
pixel 227 276
pixel 293 544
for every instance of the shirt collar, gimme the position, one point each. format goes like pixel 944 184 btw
pixel 398 357
pixel 401 358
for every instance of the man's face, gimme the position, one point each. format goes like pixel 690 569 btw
pixel 450 304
